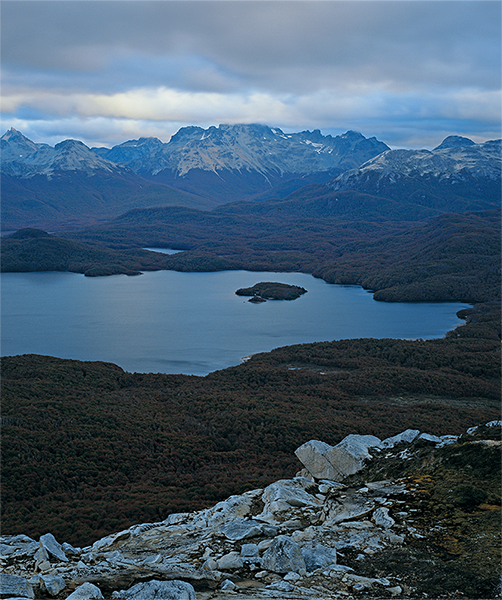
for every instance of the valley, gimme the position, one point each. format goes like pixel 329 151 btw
pixel 90 448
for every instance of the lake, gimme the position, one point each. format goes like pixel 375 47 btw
pixel 193 323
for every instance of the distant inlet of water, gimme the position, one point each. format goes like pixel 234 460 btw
pixel 194 323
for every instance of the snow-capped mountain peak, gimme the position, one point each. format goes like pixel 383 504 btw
pixel 248 148
pixel 24 158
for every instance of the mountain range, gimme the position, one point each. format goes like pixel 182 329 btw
pixel 233 161
pixel 197 168
pixel 71 185
pixel 456 176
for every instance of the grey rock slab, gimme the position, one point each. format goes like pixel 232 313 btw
pixel 291 491
pixel 354 508
pixel 231 508
pixel 337 569
pixel 53 547
pixel 210 564
pixel 5 550
pixel 68 549
pixel 177 518
pixel 230 561
pixel 250 550
pixel 41 555
pixel 241 529
pixel 110 540
pixel 283 556
pixel 228 586
pixel 318 556
pixel 382 518
pixel 86 591
pixel 429 438
pixel 14 540
pixel 362 581
pixel 447 440
pixel 349 455
pixel 158 590
pixel 281 586
pixel 13 586
pixel 52 584
pixel 312 456
pixel 406 436
pixel 388 488
pixel 292 576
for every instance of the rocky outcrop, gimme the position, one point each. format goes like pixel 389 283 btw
pixel 305 537
pixel 322 461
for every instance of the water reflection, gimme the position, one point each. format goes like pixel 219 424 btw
pixel 193 322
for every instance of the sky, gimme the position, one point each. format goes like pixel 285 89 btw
pixel 409 72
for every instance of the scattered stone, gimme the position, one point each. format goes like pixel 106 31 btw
pixel 318 556
pixel 158 590
pixel 86 591
pixel 382 519
pixel 52 584
pixel 283 556
pixel 13 586
pixel 306 525
pixel 228 586
pixel 49 543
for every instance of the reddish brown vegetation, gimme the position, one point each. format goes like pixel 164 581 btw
pixel 89 449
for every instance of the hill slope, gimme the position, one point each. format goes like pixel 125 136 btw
pixel 89 449
pixel 452 257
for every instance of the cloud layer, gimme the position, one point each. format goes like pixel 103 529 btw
pixel 408 72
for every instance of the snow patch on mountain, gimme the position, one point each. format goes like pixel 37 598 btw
pixel 456 159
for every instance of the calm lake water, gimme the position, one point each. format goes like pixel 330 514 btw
pixel 193 323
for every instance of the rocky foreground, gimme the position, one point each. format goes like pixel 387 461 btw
pixel 341 529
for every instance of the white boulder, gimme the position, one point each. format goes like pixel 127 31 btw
pixel 406 436
pixel 336 462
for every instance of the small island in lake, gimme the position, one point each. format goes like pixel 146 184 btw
pixel 270 290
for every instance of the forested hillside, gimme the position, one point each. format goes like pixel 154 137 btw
pixel 89 449
pixel 451 257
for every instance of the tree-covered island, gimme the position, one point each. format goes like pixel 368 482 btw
pixel 271 290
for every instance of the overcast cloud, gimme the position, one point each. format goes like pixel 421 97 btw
pixel 407 72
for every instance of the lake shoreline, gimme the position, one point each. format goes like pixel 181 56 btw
pixel 193 323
